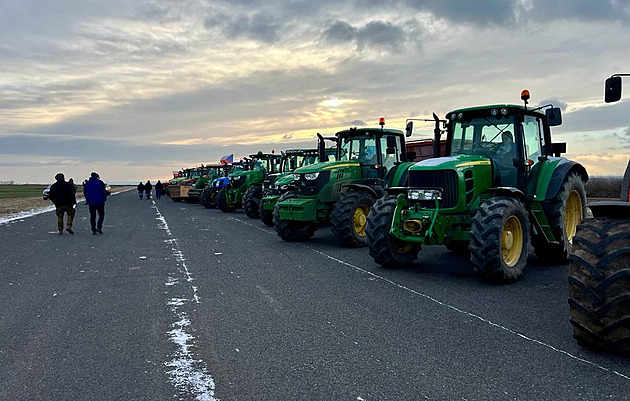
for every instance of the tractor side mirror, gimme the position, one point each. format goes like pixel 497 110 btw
pixel 409 129
pixel 613 89
pixel 391 145
pixel 554 116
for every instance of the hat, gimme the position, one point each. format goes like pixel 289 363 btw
pixel 59 177
pixel 94 174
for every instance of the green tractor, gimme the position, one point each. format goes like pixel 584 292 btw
pixel 274 188
pixel 341 192
pixel 500 186
pixel 261 165
pixel 599 267
pixel 211 190
pixel 210 173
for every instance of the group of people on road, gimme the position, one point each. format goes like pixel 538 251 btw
pixel 145 189
pixel 63 195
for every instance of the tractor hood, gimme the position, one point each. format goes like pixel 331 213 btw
pixel 317 167
pixel 452 163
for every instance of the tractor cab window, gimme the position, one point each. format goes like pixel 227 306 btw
pixel 491 137
pixel 293 162
pixel 532 136
pixel 359 148
pixel 391 154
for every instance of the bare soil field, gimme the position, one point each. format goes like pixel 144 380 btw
pixel 13 205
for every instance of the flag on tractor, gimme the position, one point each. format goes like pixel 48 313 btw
pixel 227 159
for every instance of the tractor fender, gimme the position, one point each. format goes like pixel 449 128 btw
pixel 398 175
pixel 560 173
pixel 363 187
pixel 511 192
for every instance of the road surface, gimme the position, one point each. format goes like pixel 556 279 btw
pixel 175 301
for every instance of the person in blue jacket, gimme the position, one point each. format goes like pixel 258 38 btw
pixel 95 197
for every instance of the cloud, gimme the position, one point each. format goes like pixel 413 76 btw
pixel 355 123
pixel 379 35
pixel 259 27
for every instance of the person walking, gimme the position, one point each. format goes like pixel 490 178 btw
pixel 95 198
pixel 140 190
pixel 147 189
pixel 62 194
pixel 158 189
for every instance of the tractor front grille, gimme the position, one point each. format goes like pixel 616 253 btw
pixel 445 180
pixel 311 187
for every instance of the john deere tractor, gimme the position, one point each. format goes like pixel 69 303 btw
pixel 210 173
pixel 500 186
pixel 231 198
pixel 342 192
pixel 274 188
pixel 211 190
pixel 599 268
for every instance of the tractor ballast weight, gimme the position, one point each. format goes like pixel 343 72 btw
pixel 599 267
pixel 496 189
pixel 341 192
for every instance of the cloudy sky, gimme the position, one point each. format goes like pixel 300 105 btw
pixel 135 89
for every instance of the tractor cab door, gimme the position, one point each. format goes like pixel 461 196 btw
pixel 391 152
pixel 533 142
pixel 362 148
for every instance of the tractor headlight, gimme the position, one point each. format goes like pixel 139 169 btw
pixel 424 194
pixel 311 176
pixel 236 178
pixel 494 112
pixel 296 177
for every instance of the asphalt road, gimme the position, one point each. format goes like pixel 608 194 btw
pixel 175 301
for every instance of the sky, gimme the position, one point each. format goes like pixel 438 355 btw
pixel 136 89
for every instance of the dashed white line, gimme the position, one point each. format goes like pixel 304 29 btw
pixel 454 308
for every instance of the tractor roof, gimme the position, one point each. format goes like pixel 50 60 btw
pixel 493 106
pixel 264 155
pixel 294 152
pixel 369 130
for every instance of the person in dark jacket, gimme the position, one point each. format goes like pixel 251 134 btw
pixel 158 189
pixel 140 190
pixel 95 197
pixel 62 194
pixel 147 189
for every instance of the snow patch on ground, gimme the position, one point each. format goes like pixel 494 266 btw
pixel 188 374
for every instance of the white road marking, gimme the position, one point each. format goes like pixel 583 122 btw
pixel 454 308
pixel 188 374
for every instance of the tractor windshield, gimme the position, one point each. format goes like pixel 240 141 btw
pixel 268 166
pixel 292 162
pixel 360 148
pixel 492 137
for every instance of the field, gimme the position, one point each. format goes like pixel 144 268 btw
pixel 20 198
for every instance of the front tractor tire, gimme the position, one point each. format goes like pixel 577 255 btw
pixel 266 216
pixel 349 218
pixel 386 250
pixel 291 230
pixel 222 202
pixel 206 198
pixel 599 284
pixel 567 211
pixel 251 201
pixel 499 239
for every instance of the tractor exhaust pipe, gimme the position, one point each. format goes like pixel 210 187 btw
pixel 413 225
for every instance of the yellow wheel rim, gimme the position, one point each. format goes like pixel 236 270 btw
pixel 573 214
pixel 511 241
pixel 360 219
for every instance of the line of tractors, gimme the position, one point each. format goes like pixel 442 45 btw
pixel 491 183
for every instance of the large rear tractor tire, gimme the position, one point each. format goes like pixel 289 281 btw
pixel 223 204
pixel 599 284
pixel 251 201
pixel 386 250
pixel 349 218
pixel 499 239
pixel 290 230
pixel 567 211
